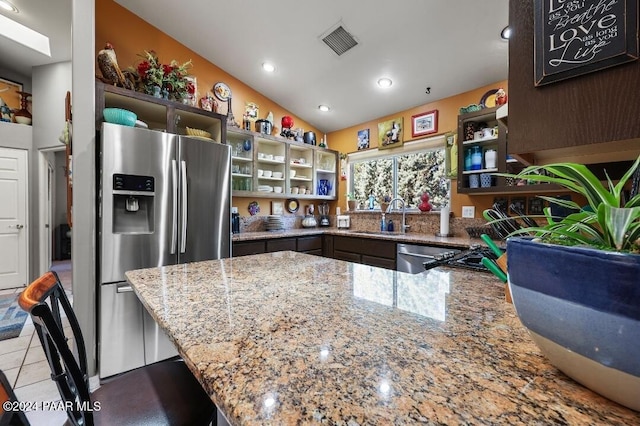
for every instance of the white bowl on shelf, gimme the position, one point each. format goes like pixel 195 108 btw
pixel 277 189
pixel 260 172
pixel 292 173
pixel 277 175
pixel 295 190
pixel 267 173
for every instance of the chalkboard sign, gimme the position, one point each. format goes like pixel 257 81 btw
pixel 574 37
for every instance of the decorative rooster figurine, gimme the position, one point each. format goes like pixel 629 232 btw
pixel 111 72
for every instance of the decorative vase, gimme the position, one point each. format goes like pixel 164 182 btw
pixel 156 92
pixel 23 116
pixel 351 204
pixel 581 307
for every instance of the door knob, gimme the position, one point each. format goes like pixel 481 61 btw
pixel 18 226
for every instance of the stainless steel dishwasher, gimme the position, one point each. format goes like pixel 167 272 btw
pixel 415 259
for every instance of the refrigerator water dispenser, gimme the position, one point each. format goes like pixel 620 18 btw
pixel 133 198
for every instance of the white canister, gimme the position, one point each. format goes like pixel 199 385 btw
pixel 490 157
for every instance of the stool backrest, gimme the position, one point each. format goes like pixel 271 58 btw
pixel 45 300
pixel 14 416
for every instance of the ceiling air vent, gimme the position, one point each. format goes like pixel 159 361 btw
pixel 339 40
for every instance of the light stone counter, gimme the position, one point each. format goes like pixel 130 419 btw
pixel 287 338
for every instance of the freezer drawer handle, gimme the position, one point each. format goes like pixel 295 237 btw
pixel 183 238
pixel 174 228
pixel 124 288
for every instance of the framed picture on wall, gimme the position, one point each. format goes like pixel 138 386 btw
pixel 363 139
pixel 8 92
pixel 390 133
pixel 277 207
pixel 572 38
pixel 424 124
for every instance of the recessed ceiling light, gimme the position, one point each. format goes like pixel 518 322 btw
pixel 268 67
pixel 505 33
pixel 8 6
pixel 323 108
pixel 385 82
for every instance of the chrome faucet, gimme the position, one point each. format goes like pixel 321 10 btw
pixel 404 226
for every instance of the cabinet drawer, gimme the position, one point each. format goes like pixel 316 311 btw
pixel 244 248
pixel 316 252
pixel 379 262
pixel 345 255
pixel 310 243
pixel 281 244
pixel 366 246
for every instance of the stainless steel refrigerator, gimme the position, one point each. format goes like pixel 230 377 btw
pixel 163 199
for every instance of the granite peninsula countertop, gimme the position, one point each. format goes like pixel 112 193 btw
pixel 415 238
pixel 289 338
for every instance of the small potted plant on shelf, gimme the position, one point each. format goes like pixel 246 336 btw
pixel 351 202
pixel 576 284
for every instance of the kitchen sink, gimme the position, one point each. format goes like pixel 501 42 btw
pixel 415 259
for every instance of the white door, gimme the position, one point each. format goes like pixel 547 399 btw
pixel 13 218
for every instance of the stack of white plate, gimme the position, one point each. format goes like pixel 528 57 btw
pixel 274 223
pixel 265 188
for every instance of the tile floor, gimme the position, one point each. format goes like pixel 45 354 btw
pixel 23 361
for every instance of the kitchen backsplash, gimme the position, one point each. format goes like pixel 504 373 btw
pixel 420 223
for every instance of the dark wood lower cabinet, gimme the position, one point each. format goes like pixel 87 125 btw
pixel 365 250
pixel 352 249
pixel 281 244
pixel 244 248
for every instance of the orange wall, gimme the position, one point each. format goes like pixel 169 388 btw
pixel 131 36
pixel 345 140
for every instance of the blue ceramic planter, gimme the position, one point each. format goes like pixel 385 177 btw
pixel 582 308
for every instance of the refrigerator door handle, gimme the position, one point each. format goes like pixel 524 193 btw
pixel 183 235
pixel 174 227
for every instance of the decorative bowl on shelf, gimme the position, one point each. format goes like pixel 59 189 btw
pixel 120 116
pixel 198 132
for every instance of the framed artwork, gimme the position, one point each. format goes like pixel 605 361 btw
pixel 520 203
pixel 390 133
pixel 572 38
pixel 424 124
pixel 8 89
pixel 251 110
pixel 363 139
pixel 536 206
pixel 277 207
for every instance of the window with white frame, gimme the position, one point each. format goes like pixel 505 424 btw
pixel 405 172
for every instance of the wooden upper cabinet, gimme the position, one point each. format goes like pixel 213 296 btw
pixel 591 117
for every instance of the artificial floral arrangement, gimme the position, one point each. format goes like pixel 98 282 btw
pixel 167 80
pixel 606 223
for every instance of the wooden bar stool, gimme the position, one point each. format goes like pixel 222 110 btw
pixel 11 417
pixel 165 393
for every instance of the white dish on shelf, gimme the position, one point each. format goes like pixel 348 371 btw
pixel 277 189
pixel 277 175
pixel 267 173
pixel 260 172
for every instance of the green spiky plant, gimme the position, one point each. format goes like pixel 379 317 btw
pixel 607 223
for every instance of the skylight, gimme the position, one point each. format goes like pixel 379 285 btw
pixel 25 36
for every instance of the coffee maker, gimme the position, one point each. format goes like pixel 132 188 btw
pixel 323 208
